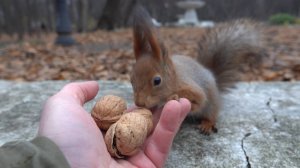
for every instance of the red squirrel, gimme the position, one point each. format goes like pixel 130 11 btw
pixel 158 77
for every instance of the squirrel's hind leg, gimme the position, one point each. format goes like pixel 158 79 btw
pixel 208 118
pixel 209 114
pixel 207 127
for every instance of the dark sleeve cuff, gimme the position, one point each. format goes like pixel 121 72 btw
pixel 39 153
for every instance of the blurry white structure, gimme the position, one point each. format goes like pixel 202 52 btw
pixel 190 15
pixel 155 22
pixel 206 23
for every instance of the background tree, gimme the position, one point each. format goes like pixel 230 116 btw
pixel 33 16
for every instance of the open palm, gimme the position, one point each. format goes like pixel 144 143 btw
pixel 65 121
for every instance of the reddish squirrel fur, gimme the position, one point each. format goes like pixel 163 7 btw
pixel 158 77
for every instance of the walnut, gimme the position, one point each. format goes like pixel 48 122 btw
pixel 127 135
pixel 126 131
pixel 108 110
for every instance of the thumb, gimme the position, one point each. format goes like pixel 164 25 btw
pixel 80 91
pixel 160 142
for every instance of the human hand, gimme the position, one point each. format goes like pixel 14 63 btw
pixel 73 130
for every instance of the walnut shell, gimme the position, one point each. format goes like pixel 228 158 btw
pixel 127 135
pixel 108 110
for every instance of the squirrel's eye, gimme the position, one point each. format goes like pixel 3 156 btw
pixel 156 80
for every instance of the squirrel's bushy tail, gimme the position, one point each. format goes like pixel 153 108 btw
pixel 224 48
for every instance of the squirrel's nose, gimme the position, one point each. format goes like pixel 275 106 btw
pixel 139 103
pixel 138 100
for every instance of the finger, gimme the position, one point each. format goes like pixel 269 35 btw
pixel 171 118
pixel 156 115
pixel 81 91
pixel 131 108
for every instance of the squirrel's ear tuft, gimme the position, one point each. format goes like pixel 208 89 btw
pixel 144 35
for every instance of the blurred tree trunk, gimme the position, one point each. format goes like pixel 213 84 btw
pixel 29 16
pixel 116 14
pixel 4 17
pixel 82 15
pixel 19 20
pixel 34 16
pixel 260 7
pixel 50 25
pixel 8 17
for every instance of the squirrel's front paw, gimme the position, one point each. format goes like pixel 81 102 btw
pixel 173 97
pixel 207 127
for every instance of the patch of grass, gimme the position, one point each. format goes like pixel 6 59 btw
pixel 283 19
